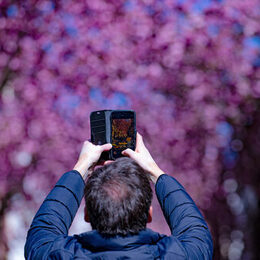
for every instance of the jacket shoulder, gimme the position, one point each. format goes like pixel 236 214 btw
pixel 170 247
pixel 67 248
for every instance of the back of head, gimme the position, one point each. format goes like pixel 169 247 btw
pixel 118 197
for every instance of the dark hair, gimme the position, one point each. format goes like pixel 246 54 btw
pixel 118 197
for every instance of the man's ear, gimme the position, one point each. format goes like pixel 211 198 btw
pixel 86 217
pixel 150 214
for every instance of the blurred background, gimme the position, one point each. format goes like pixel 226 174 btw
pixel 190 70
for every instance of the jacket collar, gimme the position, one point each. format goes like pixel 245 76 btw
pixel 95 242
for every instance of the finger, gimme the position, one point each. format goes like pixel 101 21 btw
pixel 102 163
pixel 139 141
pixel 108 162
pixel 106 147
pixel 137 133
pixel 130 153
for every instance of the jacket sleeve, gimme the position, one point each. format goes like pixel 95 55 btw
pixel 54 218
pixel 191 238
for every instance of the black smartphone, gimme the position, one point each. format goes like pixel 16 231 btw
pixel 117 127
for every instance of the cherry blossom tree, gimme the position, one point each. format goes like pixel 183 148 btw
pixel 190 70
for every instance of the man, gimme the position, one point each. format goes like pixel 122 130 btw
pixel 118 198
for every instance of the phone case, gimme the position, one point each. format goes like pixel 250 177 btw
pixel 100 124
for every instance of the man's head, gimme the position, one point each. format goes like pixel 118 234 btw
pixel 118 198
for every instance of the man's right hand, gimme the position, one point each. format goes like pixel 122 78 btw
pixel 142 156
pixel 89 157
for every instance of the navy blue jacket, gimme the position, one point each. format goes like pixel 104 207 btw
pixel 48 235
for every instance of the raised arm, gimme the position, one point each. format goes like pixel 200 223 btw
pixel 52 221
pixel 191 238
pixel 54 218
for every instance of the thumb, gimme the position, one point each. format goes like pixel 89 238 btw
pixel 106 147
pixel 130 153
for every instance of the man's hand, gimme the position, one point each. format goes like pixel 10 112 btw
pixel 89 157
pixel 142 156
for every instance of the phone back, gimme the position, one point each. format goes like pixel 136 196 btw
pixel 113 126
pixel 100 130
